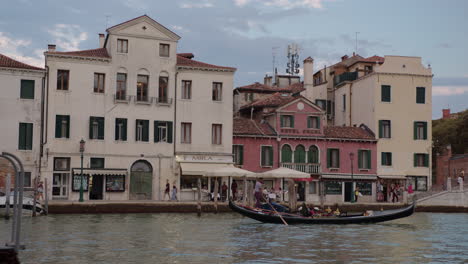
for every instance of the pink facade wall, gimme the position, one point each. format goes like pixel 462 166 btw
pixel 300 119
pixel 252 155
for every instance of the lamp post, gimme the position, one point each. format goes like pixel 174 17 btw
pixel 82 148
pixel 351 158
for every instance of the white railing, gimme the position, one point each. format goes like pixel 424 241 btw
pixel 313 168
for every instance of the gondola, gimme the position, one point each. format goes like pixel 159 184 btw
pixel 267 216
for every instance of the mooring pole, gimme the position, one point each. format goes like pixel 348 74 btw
pixel 15 198
pixel 35 195
pixel 7 196
pixel 199 197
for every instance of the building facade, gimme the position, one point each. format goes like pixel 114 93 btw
pixel 20 108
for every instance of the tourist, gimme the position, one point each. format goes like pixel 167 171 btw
pixel 167 191
pixel 234 190
pixel 410 188
pixel 460 182
pixel 356 194
pixel 394 192
pixel 40 191
pixel 259 193
pixel 271 195
pixel 224 189
pixel 174 193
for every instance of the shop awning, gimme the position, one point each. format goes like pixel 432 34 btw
pixel 392 177
pixel 348 177
pixel 283 173
pixel 229 171
pixel 201 168
pixel 87 171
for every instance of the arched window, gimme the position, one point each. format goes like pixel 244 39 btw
pixel 141 166
pixel 299 154
pixel 286 154
pixel 163 87
pixel 313 156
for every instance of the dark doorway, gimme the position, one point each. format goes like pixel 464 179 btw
pixel 141 181
pixel 97 186
pixel 348 192
pixel 301 191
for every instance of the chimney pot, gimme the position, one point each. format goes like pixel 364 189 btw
pixel 51 47
pixel 446 113
pixel 102 39
pixel 344 57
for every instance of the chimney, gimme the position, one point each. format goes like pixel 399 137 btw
pixel 102 39
pixel 446 113
pixel 267 80
pixel 51 47
pixel 344 57
pixel 309 78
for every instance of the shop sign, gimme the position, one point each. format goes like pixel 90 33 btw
pixel 204 158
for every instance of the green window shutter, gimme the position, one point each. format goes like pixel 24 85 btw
pixel 426 160
pixel 415 129
pixel 328 158
pixel 124 132
pixel 390 158
pixel 67 119
pixel 425 130
pixel 91 121
pixel 136 129
pixel 415 159
pixel 156 131
pixel 309 122
pixel 58 122
pixel 145 130
pixel 262 150
pixel 369 159
pixel 383 158
pixel 359 159
pixel 389 129
pixel 27 135
pixel 27 89
pixel 318 122
pixel 116 129
pixel 292 121
pixel 270 161
pixel 241 155
pixel 22 136
pixel 420 95
pixel 282 121
pixel 385 93
pixel 101 127
pixel 338 157
pixel 169 132
pixel 380 129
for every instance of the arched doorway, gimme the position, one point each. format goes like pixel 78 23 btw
pixel 141 180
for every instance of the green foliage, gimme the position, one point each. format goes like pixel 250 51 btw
pixel 451 131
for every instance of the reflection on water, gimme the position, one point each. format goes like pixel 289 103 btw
pixel 229 238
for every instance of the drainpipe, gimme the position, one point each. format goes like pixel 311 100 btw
pixel 350 103
pixel 174 136
pixel 41 146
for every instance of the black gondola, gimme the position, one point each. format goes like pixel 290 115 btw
pixel 267 216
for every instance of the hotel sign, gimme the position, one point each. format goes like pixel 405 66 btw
pixel 204 158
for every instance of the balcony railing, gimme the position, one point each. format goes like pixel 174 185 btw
pixel 139 99
pixel 347 76
pixel 313 168
pixel 163 100
pixel 122 98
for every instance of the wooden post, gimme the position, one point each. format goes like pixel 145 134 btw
pixel 199 197
pixel 35 195
pixel 7 196
pixel 292 195
pixel 46 197
pixel 250 194
pixel 244 192
pixel 216 190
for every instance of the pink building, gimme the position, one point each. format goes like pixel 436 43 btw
pixel 283 130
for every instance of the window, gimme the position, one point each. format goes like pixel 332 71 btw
pixel 97 163
pixel 386 158
pixel 267 156
pixel 313 187
pixel 249 97
pixel 186 89
pixel 27 89
pixel 385 130
pixel 60 184
pixel 419 182
pixel 96 127
pixel 186 133
pixel 191 181
pixel 386 93
pixel 344 102
pixel 313 156
pixel 420 130
pixel 287 121
pixel 217 91
pixel 286 154
pixel 163 82
pixel 142 88
pixel 163 131
pixel 421 160
pixel 121 129
pixel 121 86
pixel 367 69
pixel 62 126
pixel 299 154
pixel 142 130
pixel 63 79
pixel 333 158
pixel 321 103
pixel 420 95
pixel 238 151
pixel 25 141
pixel 364 159
pixel 216 134
pixel 164 50
pixel 333 187
pixel 365 188
pixel 313 122
pixel 61 164
pixel 27 179
pixel 122 45
pixel 99 82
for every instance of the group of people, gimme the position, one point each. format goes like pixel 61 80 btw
pixel 317 212
pixel 171 195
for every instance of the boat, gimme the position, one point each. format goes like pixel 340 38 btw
pixel 268 216
pixel 27 205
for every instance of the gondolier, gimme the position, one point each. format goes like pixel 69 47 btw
pixel 259 193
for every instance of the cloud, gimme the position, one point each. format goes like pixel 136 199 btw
pixel 449 90
pixel 284 4
pixel 68 37
pixel 241 2
pixel 138 5
pixel 444 46
pixel 11 47
pixel 197 4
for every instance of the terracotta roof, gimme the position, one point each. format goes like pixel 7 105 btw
pixel 296 87
pixel 182 61
pixel 347 132
pixel 374 59
pixel 245 126
pixel 274 100
pixel 186 55
pixel 8 62
pixel 98 53
pixel 262 88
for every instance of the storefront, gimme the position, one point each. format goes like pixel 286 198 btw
pixel 338 188
pixel 391 188
pixel 100 184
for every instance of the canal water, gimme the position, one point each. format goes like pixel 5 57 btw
pixel 230 238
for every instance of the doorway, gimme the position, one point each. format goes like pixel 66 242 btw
pixel 96 187
pixel 348 191
pixel 141 180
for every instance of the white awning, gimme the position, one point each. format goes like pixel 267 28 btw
pixel 201 168
pixel 348 177
pixel 392 177
pixel 229 171
pixel 283 173
pixel 100 171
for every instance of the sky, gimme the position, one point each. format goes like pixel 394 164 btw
pixel 248 34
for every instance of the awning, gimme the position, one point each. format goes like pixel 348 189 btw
pixel 201 168
pixel 100 171
pixel 283 173
pixel 348 177
pixel 229 171
pixel 392 177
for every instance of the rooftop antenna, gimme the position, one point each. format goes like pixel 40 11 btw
pixel 107 20
pixel 293 59
pixel 356 42
pixel 273 52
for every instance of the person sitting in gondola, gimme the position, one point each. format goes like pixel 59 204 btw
pixel 304 210
pixel 337 212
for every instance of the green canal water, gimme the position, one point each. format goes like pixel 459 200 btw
pixel 230 238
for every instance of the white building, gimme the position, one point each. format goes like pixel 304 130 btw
pixel 20 113
pixel 120 98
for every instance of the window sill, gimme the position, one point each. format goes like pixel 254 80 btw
pixel 266 166
pixel 387 166
pixel 26 99
pixel 142 102
pixel 120 141
pixel 186 99
pixel 96 140
pixel 162 142
pixel 163 104
pixel 143 142
pixel 117 101
pixel 24 150
pixel 217 101
pixel 98 93
pixel 386 102
pixel 62 91
pixel 186 143
pixel 334 169
pixel 121 53
pixel 62 138
pixel 421 139
pixel 366 170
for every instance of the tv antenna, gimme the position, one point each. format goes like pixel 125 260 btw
pixel 293 59
pixel 107 20
pixel 356 42
pixel 273 53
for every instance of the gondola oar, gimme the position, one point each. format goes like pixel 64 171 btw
pixel 282 219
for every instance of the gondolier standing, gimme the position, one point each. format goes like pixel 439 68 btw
pixel 259 193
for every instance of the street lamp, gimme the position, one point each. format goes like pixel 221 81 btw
pixel 82 148
pixel 351 158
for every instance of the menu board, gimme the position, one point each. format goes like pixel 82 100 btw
pixel 77 180
pixel 115 183
pixel 333 187
pixel 364 187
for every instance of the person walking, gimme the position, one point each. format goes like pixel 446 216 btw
pixel 356 194
pixel 224 189
pixel 174 193
pixel 167 191
pixel 259 193
pixel 234 190
pixel 40 191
